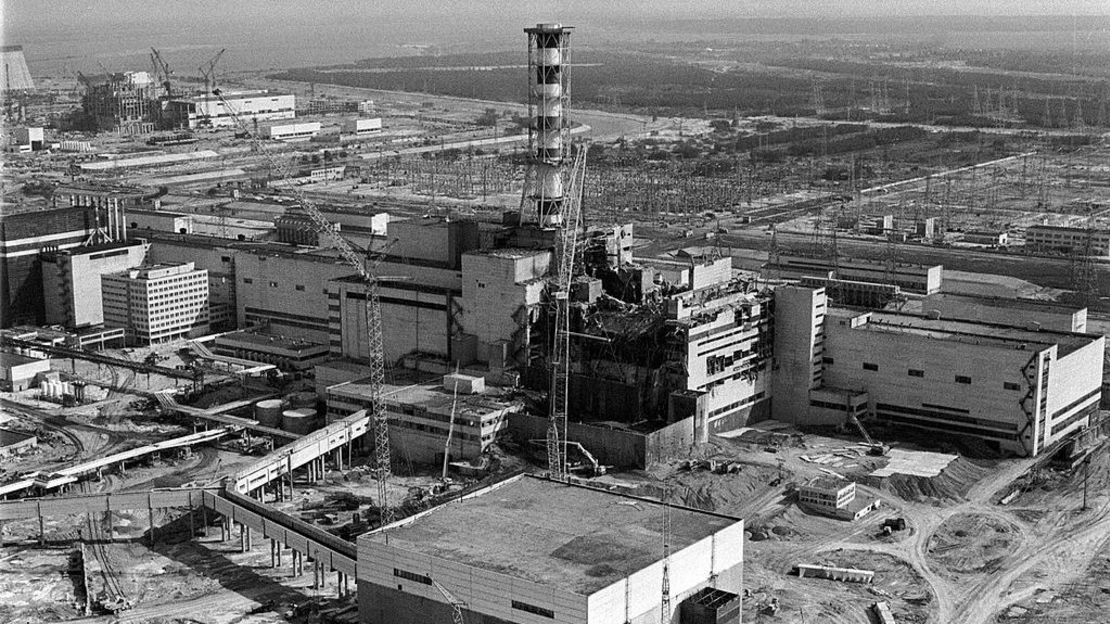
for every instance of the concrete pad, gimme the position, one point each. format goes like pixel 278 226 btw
pixel 914 463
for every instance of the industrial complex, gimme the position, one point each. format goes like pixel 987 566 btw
pixel 431 350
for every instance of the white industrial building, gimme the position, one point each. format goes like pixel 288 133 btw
pixel 71 280
pixel 1020 389
pixel 362 127
pixel 914 278
pixel 528 550
pixel 157 303
pixel 208 111
pixel 291 132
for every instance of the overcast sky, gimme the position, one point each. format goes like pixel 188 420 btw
pixel 80 34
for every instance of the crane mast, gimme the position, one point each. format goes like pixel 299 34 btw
pixel 566 247
pixel 375 346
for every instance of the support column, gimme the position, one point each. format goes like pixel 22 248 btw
pixel 273 556
pixel 247 530
pixel 242 538
pixel 192 529
pixel 42 530
pixel 339 584
pixel 280 546
pixel 150 520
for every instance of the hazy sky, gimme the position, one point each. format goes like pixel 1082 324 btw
pixel 80 34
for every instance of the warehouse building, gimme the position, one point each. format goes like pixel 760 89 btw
pixel 209 111
pixel 1066 240
pixel 157 303
pixel 291 132
pixel 363 127
pixel 912 278
pixel 527 550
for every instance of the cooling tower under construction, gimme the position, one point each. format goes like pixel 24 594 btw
pixel 15 76
pixel 548 134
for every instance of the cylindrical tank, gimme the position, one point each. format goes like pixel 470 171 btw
pixel 297 400
pixel 268 412
pixel 298 420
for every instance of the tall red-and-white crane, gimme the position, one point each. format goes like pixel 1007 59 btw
pixel 375 346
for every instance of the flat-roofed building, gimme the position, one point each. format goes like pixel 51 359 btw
pixel 420 416
pixel 291 132
pixel 1018 389
pixel 365 126
pixel 157 303
pixel 1031 313
pixel 528 550
pixel 1061 239
pixel 21 370
pixel 287 353
pixel 71 280
pixel 914 278
pixel 209 111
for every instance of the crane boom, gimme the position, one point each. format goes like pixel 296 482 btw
pixel 456 604
pixel 375 346
pixel 566 249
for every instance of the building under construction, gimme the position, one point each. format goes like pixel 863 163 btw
pixel 124 103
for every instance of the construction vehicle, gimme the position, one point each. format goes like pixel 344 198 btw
pixel 873 448
pixel 375 346
pixel 566 249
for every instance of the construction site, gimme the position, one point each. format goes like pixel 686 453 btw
pixel 276 349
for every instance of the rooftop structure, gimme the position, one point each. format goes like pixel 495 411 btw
pixel 1061 239
pixel 531 546
pixel 290 354
pixel 1031 313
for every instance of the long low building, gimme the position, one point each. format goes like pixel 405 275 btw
pixel 913 278
pixel 1061 239
pixel 528 550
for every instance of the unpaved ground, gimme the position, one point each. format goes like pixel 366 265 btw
pixel 36 585
pixel 973 542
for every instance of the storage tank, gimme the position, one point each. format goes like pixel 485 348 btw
pixel 299 421
pixel 298 400
pixel 268 412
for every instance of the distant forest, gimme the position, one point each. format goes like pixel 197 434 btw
pixel 652 83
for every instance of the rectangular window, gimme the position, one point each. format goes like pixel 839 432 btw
pixel 962 379
pixel 913 372
pixel 524 606
pixel 869 366
pixel 827 360
pixel 412 576
pixel 300 287
pixel 247 280
pixel 1009 385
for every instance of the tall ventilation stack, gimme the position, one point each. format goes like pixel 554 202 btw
pixel 548 132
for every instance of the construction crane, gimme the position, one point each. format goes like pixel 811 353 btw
pixel 375 346
pixel 450 426
pixel 162 71
pixel 665 603
pixel 456 604
pixel 565 250
pixel 208 70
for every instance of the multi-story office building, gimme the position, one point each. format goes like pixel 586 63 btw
pixel 157 303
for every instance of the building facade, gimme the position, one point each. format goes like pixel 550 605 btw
pixel 157 303
pixel 527 550
pixel 209 111
pixel 71 280
pixel 1060 239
